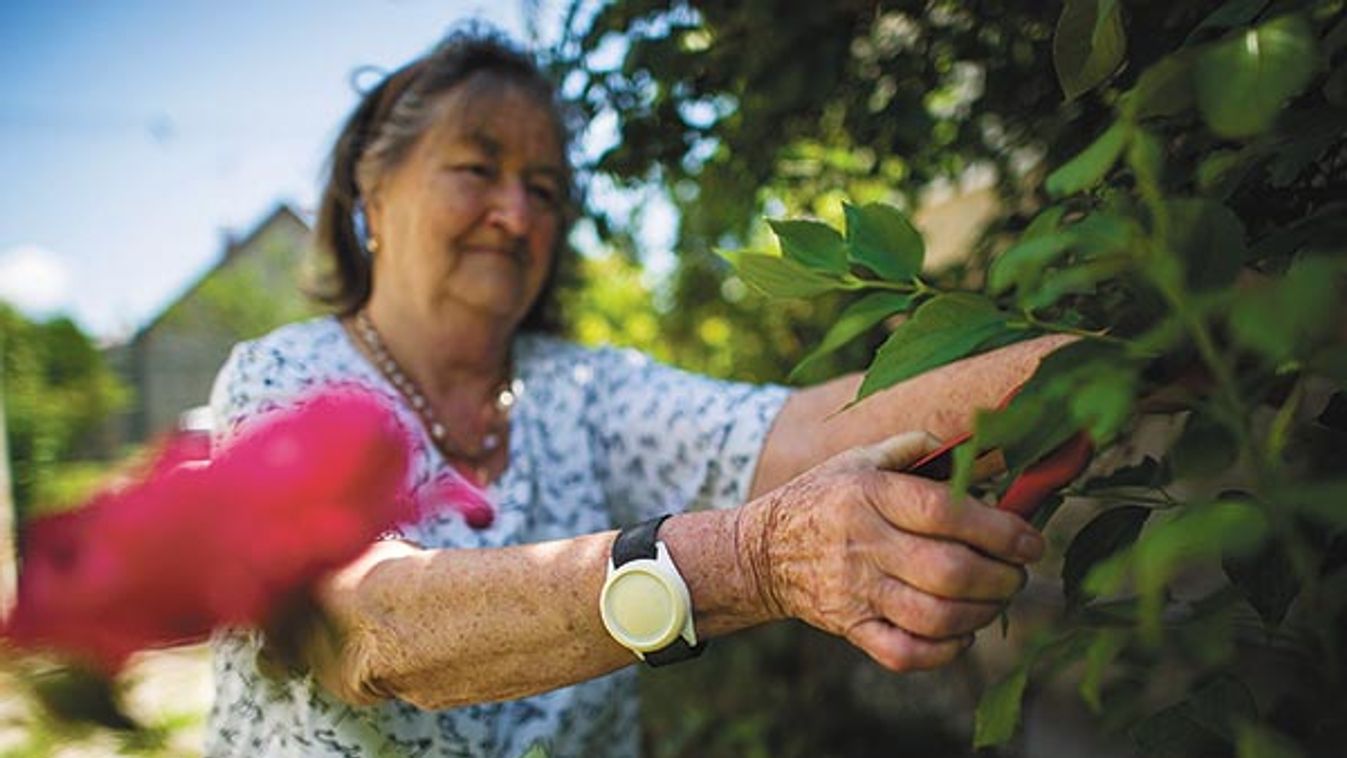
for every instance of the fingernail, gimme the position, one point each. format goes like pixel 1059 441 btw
pixel 1029 546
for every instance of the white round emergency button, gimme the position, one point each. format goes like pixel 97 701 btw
pixel 642 608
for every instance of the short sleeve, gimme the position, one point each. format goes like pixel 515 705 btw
pixel 667 440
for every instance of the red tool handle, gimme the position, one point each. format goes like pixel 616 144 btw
pixel 1054 471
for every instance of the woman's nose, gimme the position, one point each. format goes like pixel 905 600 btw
pixel 510 208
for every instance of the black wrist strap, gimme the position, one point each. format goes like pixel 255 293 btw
pixel 638 542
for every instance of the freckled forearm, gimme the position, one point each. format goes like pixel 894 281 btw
pixel 445 628
pixel 942 401
pixel 441 628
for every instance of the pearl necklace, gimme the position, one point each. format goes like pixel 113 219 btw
pixel 439 433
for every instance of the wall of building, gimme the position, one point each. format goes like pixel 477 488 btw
pixel 171 364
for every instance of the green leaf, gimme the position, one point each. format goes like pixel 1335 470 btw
pixel 1088 44
pixel 1146 157
pixel 1108 576
pixel 1023 429
pixel 1020 265
pixel 1033 424
pixel 1291 316
pixel 1200 533
pixel 1266 579
pixel 1321 501
pixel 998 712
pixel 1025 442
pixel 1101 233
pixel 1103 402
pixel 1221 703
pixel 1100 539
pixel 1221 171
pixel 1046 222
pixel 1243 81
pixel 1163 89
pixel 813 244
pixel 884 241
pixel 1082 278
pixel 1091 166
pixel 1171 733
pixel 1209 238
pixel 944 329
pixel 1163 337
pixel 1254 740
pixel 858 318
pixel 778 277
pixel 1231 14
pixel 1204 724
pixel 1105 648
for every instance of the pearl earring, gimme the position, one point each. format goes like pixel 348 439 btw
pixel 373 245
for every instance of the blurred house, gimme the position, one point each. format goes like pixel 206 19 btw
pixel 170 363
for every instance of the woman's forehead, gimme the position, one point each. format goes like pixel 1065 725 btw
pixel 496 115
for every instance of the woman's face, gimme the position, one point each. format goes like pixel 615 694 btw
pixel 468 221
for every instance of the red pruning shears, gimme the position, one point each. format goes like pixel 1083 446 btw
pixel 1050 473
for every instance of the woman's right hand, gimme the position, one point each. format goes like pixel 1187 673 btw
pixel 884 559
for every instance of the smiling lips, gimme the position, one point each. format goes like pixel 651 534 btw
pixel 517 253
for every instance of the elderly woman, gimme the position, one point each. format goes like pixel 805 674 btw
pixel 445 214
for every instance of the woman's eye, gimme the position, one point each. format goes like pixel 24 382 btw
pixel 481 170
pixel 546 193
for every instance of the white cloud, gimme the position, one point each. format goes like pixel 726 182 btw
pixel 34 280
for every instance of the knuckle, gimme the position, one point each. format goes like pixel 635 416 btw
pixel 899 604
pixel 937 618
pixel 944 619
pixel 947 572
pixel 929 507
pixel 870 487
pixel 1003 582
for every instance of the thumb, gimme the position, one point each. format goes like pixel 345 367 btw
pixel 893 453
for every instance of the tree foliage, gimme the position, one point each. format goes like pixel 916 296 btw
pixel 1190 231
pixel 57 389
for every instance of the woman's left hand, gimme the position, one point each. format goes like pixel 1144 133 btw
pixel 883 559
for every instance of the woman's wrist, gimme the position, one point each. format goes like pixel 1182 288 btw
pixel 752 527
pixel 712 550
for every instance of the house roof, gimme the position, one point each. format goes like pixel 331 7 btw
pixel 233 245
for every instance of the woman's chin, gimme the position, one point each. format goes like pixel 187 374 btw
pixel 505 304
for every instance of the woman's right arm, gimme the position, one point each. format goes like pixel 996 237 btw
pixel 882 559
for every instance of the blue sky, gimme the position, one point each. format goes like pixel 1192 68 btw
pixel 133 134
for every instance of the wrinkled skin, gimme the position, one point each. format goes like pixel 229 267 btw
pixel 883 559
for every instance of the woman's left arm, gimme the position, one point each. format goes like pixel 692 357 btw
pixel 809 430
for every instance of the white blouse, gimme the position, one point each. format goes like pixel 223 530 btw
pixel 599 438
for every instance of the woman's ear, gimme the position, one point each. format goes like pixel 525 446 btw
pixel 373 214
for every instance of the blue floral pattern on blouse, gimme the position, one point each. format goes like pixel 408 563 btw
pixel 599 438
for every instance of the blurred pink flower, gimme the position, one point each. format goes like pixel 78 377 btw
pixel 192 547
